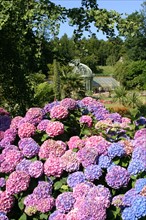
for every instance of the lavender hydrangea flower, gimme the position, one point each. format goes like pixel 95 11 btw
pixel 57 215
pixel 139 153
pixel 136 166
pixel 17 182
pixel 2 182
pixel 43 189
pixel 92 172
pixel 116 117
pixel 28 147
pixel 104 161
pixel 36 169
pixel 3 216
pixel 49 106
pixel 87 155
pixel 43 124
pixel 75 178
pixel 23 165
pixel 117 177
pixel 10 134
pixel 116 150
pixel 34 115
pixel 65 202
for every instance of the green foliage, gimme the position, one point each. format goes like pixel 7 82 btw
pixel 56 81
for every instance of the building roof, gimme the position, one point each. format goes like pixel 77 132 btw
pixel 105 82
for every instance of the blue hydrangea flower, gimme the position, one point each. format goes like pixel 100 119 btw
pixel 135 167
pixel 3 216
pixel 128 214
pixel 75 178
pixel 139 184
pixel 93 172
pixel 139 206
pixel 129 197
pixel 116 150
pixel 104 161
pixel 65 202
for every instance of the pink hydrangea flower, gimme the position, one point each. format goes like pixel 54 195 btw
pixel 69 161
pixel 34 115
pixel 50 146
pixel 11 134
pixel 45 204
pixel 26 130
pixel 52 166
pixel 86 119
pixel 55 128
pixel 75 142
pixel 68 103
pixel 15 122
pixel 59 112
pixel 6 202
pixel 17 182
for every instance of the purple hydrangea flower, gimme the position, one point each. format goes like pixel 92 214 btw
pixel 75 178
pixel 36 169
pixel 92 172
pixel 43 124
pixel 65 202
pixel 34 115
pixel 2 182
pixel 57 215
pixel 104 161
pixel 117 177
pixel 139 153
pixel 43 189
pixel 116 150
pixel 87 155
pixel 116 117
pixel 23 165
pixel 3 216
pixel 49 106
pixel 28 147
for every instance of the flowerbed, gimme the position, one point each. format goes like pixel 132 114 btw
pixel 73 160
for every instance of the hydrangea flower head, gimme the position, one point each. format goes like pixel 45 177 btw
pixel 86 119
pixel 65 202
pixel 45 204
pixel 3 216
pixel 75 178
pixel 136 166
pixel 6 202
pixel 129 196
pixel 2 182
pixel 139 206
pixel 15 121
pixel 104 161
pixel 43 189
pixel 57 215
pixel 36 169
pixel 29 147
pixel 43 125
pixel 81 189
pixel 140 133
pixel 117 177
pixel 139 184
pixel 17 182
pixel 69 103
pixel 59 112
pixel 34 115
pixel 23 165
pixel 55 128
pixel 52 166
pixel 116 150
pixel 127 214
pixel 75 142
pixel 117 201
pixel 69 161
pixel 93 172
pixel 26 130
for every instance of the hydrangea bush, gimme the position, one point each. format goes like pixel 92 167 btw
pixel 72 160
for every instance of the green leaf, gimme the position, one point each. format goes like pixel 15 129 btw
pixel 57 185
pixel 44 216
pixel 23 217
pixel 44 137
pixel 64 187
pixel 21 204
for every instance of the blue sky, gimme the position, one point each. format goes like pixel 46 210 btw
pixel 121 6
